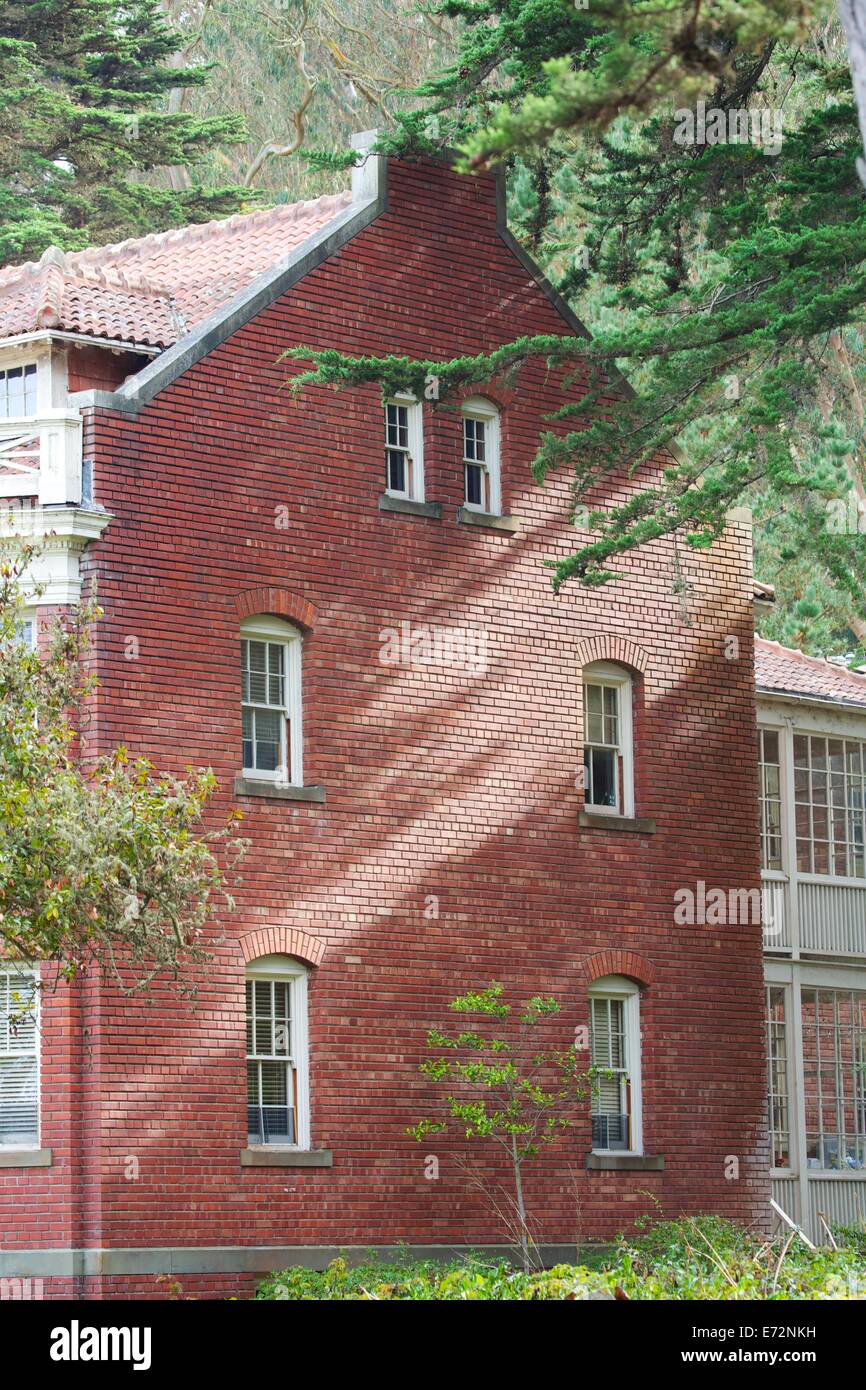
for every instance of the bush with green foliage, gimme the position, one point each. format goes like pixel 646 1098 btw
pixel 687 1259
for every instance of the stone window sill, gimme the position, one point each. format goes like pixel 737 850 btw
pixel 638 825
pixel 632 1163
pixel 272 1156
pixel 25 1158
pixel 387 503
pixel 252 786
pixel 468 517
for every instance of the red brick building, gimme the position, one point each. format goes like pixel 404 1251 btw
pixel 346 613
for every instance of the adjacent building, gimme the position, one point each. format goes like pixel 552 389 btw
pixel 812 738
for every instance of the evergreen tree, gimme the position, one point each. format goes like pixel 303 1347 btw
pixel 83 86
pixel 725 276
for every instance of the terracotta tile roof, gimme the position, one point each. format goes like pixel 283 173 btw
pixel 153 289
pixel 786 671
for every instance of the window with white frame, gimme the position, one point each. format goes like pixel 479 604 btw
pixel 778 1088
pixel 607 740
pixel 19 1058
pixel 614 1029
pixel 829 805
pixel 771 799
pixel 277 1051
pixel 18 391
pixel 271 700
pixel 404 449
pixel 482 482
pixel 834 1078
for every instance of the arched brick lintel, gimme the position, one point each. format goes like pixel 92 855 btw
pixel 281 603
pixel 627 963
pixel 282 941
pixel 607 646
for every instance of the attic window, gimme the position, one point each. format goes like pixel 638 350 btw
pixel 18 392
pixel 482 485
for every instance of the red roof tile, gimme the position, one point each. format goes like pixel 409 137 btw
pixel 155 288
pixel 786 671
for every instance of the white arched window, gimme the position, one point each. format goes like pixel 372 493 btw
pixel 404 448
pixel 607 739
pixel 278 1090
pixel 614 1030
pixel 482 482
pixel 273 743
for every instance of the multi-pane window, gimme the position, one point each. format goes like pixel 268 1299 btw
pixel 19 1058
pixel 481 472
pixel 397 457
pixel 404 467
pixel 276 1054
pixel 834 1078
pixel 271 700
pixel 18 391
pixel 771 799
pixel 778 1097
pixel 615 1052
pixel 474 463
pixel 607 752
pixel 829 805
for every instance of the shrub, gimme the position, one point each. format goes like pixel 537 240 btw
pixel 687 1259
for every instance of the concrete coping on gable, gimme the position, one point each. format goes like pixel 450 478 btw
pixel 370 198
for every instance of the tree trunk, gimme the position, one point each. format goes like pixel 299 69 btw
pixel 521 1208
pixel 852 14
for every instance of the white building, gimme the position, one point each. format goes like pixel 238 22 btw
pixel 812 743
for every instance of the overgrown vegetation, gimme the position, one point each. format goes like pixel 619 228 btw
pixel 677 1260
pixel 724 274
pixel 501 1082
pixel 103 861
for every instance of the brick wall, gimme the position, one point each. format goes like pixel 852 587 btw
pixel 440 783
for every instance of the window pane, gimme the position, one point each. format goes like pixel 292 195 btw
pixel 595 728
pixel 268 750
pixel 473 440
pixel 276 673
pixel 258 686
pixel 834 1055
pixel 593 697
pixel 19 1121
pixel 19 1071
pixel 777 1093
pixel 610 1100
pixel 604 788
pixel 396 471
pixel 247 716
pixel 270 1104
pixel 473 485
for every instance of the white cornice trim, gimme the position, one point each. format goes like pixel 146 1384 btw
pixel 53 335
pixel 62 534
